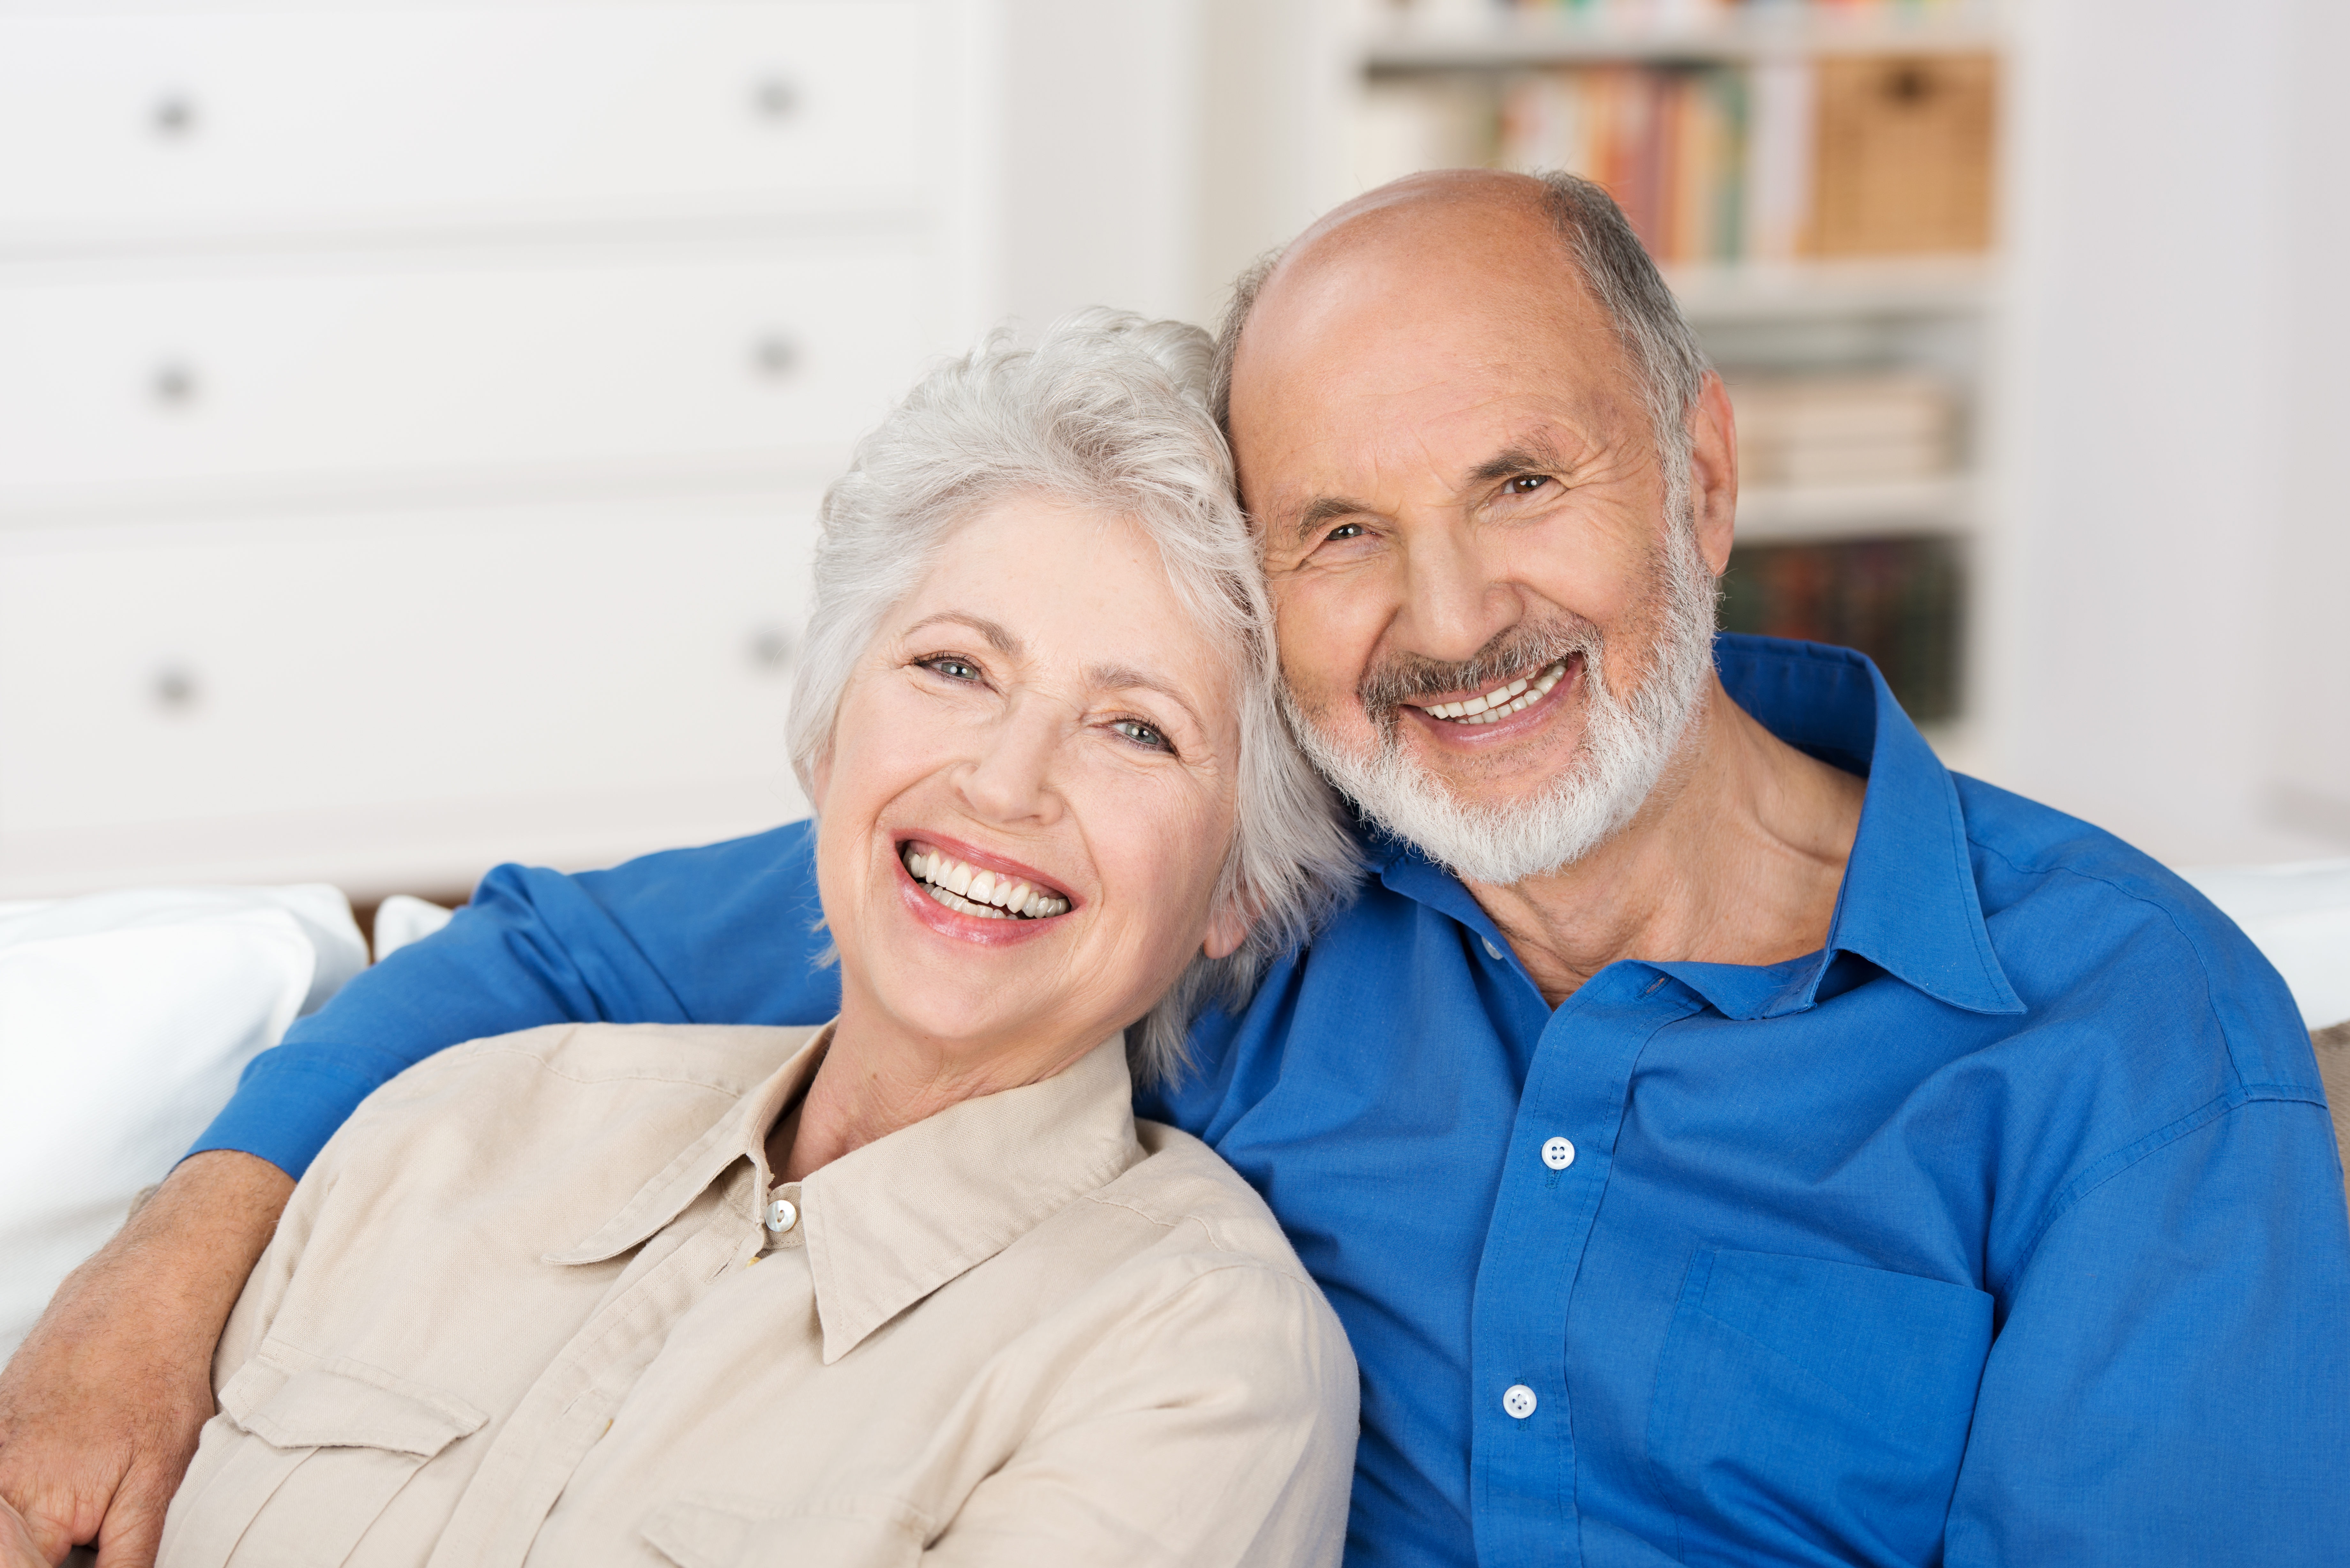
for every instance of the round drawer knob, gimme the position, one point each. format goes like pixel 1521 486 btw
pixel 173 117
pixel 775 98
pixel 771 648
pixel 174 688
pixel 774 356
pixel 174 386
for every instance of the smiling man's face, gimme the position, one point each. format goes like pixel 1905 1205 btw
pixel 1494 628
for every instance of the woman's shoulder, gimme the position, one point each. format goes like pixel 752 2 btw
pixel 536 1084
pixel 1207 1209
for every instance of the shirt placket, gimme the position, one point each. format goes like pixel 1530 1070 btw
pixel 1562 1148
pixel 568 1409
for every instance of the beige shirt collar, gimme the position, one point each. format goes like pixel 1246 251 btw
pixel 890 1223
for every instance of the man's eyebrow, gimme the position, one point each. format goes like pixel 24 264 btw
pixel 1127 678
pixel 1533 455
pixel 998 635
pixel 1328 509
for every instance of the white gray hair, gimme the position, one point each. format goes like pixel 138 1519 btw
pixel 1107 412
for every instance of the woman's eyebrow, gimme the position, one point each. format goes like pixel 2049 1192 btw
pixel 999 637
pixel 1125 678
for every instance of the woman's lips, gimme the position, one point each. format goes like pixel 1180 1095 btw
pixel 972 882
pixel 994 929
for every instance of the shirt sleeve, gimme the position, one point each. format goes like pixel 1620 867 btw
pixel 1216 1428
pixel 725 934
pixel 2171 1384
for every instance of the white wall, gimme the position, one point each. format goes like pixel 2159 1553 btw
pixel 1100 111
pixel 2174 379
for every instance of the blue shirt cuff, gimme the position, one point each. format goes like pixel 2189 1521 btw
pixel 293 1097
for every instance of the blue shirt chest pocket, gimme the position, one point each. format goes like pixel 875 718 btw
pixel 1808 1411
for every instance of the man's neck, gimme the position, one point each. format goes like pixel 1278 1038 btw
pixel 1736 857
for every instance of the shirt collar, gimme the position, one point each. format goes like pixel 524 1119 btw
pixel 1907 904
pixel 894 1220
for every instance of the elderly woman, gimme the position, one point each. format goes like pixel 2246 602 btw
pixel 915 1285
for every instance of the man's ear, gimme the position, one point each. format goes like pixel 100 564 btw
pixel 1714 473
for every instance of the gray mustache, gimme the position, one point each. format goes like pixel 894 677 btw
pixel 1521 650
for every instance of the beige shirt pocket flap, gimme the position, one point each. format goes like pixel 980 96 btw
pixel 743 1533
pixel 338 1403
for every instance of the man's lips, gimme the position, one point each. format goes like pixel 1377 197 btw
pixel 1509 708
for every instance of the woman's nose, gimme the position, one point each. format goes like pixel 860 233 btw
pixel 1011 779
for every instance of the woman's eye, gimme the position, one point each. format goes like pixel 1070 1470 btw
pixel 1142 734
pixel 1526 484
pixel 953 668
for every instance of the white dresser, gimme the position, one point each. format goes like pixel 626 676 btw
pixel 413 415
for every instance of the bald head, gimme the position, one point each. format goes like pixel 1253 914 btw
pixel 1552 241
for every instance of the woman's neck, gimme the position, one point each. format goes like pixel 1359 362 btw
pixel 873 1081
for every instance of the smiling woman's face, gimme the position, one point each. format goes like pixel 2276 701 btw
pixel 1028 796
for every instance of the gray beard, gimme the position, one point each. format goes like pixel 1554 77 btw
pixel 1628 738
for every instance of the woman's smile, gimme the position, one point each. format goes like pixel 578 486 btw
pixel 988 890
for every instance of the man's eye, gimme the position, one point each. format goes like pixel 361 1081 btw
pixel 1344 530
pixel 953 668
pixel 1142 734
pixel 1526 483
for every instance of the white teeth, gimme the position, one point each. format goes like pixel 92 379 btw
pixel 964 906
pixel 1502 700
pixel 968 891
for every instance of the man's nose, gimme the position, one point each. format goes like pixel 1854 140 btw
pixel 1009 781
pixel 1456 600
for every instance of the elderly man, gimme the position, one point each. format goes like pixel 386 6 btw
pixel 1727 1136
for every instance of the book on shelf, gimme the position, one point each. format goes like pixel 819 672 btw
pixel 1840 155
pixel 1899 601
pixel 1867 428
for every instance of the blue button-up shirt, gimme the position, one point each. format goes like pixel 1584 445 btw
pixel 2006 1228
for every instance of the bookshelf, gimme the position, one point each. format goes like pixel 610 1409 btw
pixel 1819 179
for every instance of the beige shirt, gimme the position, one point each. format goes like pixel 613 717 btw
pixel 524 1309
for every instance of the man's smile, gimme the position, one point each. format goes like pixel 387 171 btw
pixel 1503 700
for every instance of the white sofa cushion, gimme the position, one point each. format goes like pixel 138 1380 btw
pixel 124 1020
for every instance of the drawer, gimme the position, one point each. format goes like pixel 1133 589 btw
pixel 134 386
pixel 129 122
pixel 318 686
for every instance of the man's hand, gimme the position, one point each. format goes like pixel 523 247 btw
pixel 17 1548
pixel 100 1408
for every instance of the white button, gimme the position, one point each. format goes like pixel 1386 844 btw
pixel 782 1215
pixel 1558 1154
pixel 1491 951
pixel 1518 1400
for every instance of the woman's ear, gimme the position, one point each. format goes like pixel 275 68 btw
pixel 820 779
pixel 1228 928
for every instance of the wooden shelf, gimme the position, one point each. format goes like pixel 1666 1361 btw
pixel 1774 514
pixel 1519 40
pixel 1893 287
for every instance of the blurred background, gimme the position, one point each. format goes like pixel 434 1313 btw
pixel 413 414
